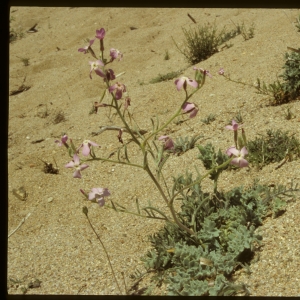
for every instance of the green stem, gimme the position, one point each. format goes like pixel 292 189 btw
pixel 199 180
pixel 170 120
pixel 86 213
pixel 139 215
pixel 115 162
pixel 122 118
pixel 238 82
pixel 169 204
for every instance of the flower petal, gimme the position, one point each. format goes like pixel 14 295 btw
pixel 70 164
pixel 244 151
pixel 243 163
pixel 179 83
pixel 194 113
pixel 192 83
pixel 76 160
pixel 233 151
pixel 77 174
pixel 86 149
pixel 83 166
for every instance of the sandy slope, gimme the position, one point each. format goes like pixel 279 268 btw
pixel 55 244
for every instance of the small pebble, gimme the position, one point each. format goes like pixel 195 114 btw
pixel 50 199
pixel 28 137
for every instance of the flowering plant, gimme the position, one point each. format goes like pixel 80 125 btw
pixel 118 91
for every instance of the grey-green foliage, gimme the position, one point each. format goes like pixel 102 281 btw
pixel 209 119
pixel 165 77
pixel 272 147
pixel 246 32
pixel 182 145
pixel 212 159
pixel 289 89
pixel 224 240
pixel 201 42
pixel 298 23
pixel 291 75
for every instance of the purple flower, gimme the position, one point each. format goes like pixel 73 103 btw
pixel 86 48
pixel 120 88
pixel 86 145
pixel 98 194
pixel 115 53
pixel 205 72
pixel 63 141
pixel 239 159
pixel 100 34
pixel 190 108
pixel 75 163
pixel 182 81
pixel 235 126
pixel 221 71
pixel 95 67
pixel 169 144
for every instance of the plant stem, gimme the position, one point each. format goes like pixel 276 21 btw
pixel 199 180
pixel 171 119
pixel 115 162
pixel 169 203
pixel 86 213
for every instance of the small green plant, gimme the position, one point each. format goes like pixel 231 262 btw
pixel 273 147
pixel 201 43
pixel 238 118
pixel 182 145
pixel 165 77
pixel 247 33
pixel 298 23
pixel 291 75
pixel 289 89
pixel 167 55
pixel 209 119
pixel 226 224
pixel 289 114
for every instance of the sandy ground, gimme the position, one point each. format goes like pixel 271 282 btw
pixel 55 243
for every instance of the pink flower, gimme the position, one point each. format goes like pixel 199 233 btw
pixel 95 67
pixel 75 163
pixel 98 194
pixel 239 160
pixel 221 71
pixel 100 34
pixel 120 88
pixel 63 141
pixel 235 126
pixel 115 53
pixel 120 135
pixel 86 147
pixel 110 75
pixel 182 81
pixel 190 108
pixel 168 142
pixel 127 102
pixel 205 72
pixel 86 48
